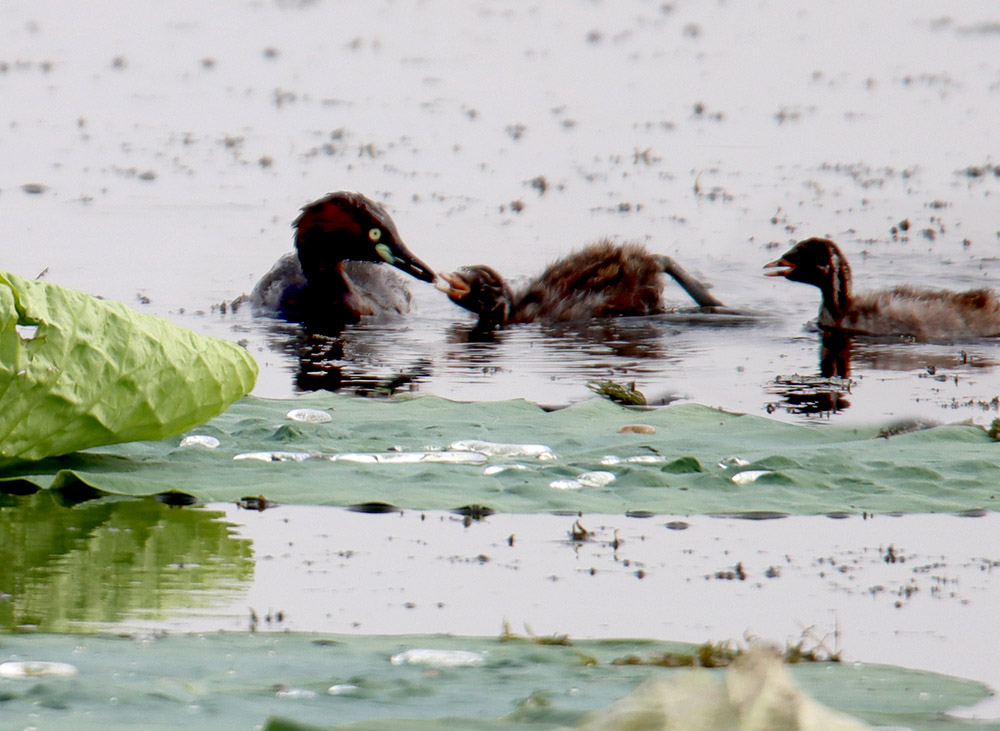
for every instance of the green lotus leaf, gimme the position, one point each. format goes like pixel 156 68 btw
pixel 299 680
pixel 78 372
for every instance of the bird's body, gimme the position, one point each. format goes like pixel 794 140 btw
pixel 921 313
pixel 601 280
pixel 925 314
pixel 367 289
pixel 336 273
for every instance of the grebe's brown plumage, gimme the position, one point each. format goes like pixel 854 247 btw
pixel 601 280
pixel 925 314
pixel 335 276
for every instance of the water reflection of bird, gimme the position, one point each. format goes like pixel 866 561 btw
pixel 601 280
pixel 333 277
pixel 920 313
pixel 368 359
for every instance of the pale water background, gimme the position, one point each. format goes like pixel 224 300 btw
pixel 167 148
pixel 176 144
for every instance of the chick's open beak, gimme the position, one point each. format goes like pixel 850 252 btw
pixel 781 267
pixel 453 285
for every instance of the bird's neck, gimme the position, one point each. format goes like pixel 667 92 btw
pixel 836 289
pixel 329 289
pixel 320 254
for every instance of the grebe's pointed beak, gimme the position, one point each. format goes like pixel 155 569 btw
pixel 396 254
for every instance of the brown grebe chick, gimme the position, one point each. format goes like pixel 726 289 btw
pixel 601 280
pixel 925 314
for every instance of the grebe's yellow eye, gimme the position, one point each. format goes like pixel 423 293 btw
pixel 375 234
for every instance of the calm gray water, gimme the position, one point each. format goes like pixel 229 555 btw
pixel 175 147
pixel 168 148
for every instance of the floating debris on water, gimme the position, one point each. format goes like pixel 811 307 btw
pixel 565 484
pixel 610 459
pixel 175 498
pixel 637 429
pixel 311 416
pixel 903 427
pixel 578 532
pixel 200 440
pixel 275 456
pixel 994 431
pixel 748 476
pixel 438 658
pixel 618 393
pixel 37 669
pixel 452 457
pixel 496 449
pixel 255 502
pixel 475 512
pixel 727 462
pixel 374 508
pixel 496 469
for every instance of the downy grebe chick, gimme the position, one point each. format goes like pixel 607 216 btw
pixel 925 314
pixel 481 290
pixel 334 275
pixel 601 280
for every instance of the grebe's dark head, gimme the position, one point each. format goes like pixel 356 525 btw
pixel 348 226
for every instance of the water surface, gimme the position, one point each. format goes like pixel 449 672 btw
pixel 718 134
pixel 157 155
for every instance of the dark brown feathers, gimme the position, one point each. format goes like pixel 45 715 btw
pixel 335 275
pixel 601 280
pixel 925 314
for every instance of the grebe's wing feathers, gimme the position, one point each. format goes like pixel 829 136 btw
pixel 599 267
pixel 269 292
pixel 600 280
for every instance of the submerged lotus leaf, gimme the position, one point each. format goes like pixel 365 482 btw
pixel 393 451
pixel 297 680
pixel 78 372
